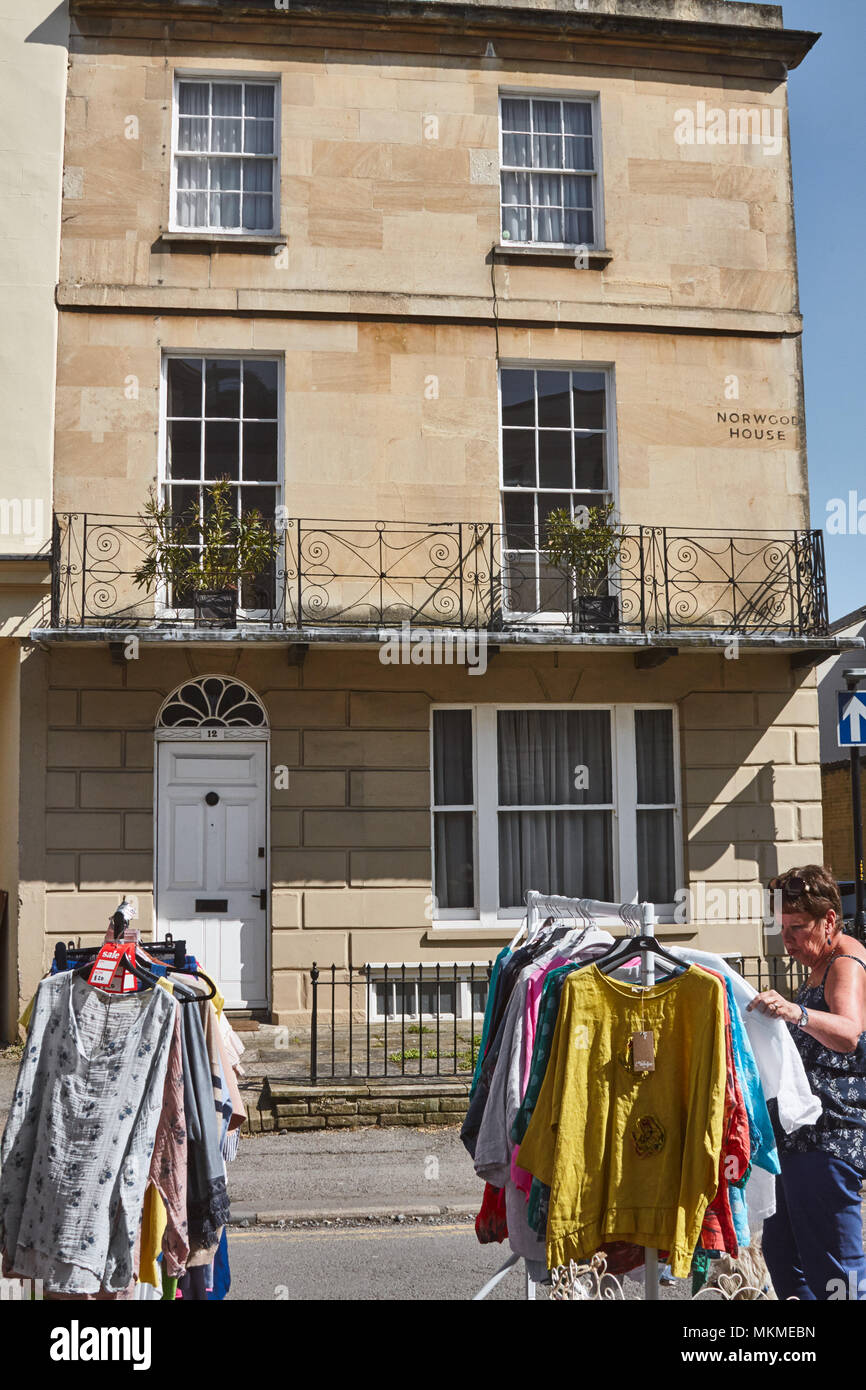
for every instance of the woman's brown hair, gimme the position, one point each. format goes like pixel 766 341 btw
pixel 811 890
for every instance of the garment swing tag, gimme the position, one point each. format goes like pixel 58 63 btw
pixel 130 984
pixel 106 963
pixel 106 968
pixel 643 1051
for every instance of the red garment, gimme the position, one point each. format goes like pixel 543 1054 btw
pixel 622 1257
pixel 717 1232
pixel 490 1223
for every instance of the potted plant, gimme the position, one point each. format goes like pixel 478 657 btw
pixel 585 546
pixel 201 561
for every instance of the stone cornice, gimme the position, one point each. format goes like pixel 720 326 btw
pixel 205 18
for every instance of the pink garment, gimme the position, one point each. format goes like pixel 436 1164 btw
pixel 169 1158
pixel 521 1178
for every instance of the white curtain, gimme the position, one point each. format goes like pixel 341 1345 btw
pixel 562 851
pixel 193 98
pixel 453 847
pixel 654 742
pixel 259 120
pixel 191 192
pixel 258 194
pixel 565 852
pixel 547 154
pixel 515 207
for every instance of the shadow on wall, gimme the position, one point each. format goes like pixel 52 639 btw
pixel 7 1027
pixel 54 29
pixel 753 803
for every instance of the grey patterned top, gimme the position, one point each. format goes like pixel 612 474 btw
pixel 839 1080
pixel 82 1124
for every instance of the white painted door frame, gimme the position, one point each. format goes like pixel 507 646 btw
pixel 217 737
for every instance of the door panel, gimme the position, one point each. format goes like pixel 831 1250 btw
pixel 212 851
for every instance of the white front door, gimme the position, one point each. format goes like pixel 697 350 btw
pixel 212 866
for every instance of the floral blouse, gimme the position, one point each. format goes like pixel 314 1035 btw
pixel 77 1147
pixel 839 1081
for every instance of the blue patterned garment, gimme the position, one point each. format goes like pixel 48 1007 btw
pixel 78 1142
pixel 839 1081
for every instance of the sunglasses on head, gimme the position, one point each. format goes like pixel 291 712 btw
pixel 791 885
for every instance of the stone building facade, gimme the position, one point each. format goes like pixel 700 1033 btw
pixel 33 36
pixel 340 255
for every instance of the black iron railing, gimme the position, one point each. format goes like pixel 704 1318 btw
pixel 461 576
pixel 396 1021
pixel 417 1022
pixel 780 973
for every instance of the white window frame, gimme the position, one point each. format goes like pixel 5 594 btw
pixel 593 99
pixel 488 913
pixel 163 609
pixel 612 490
pixel 253 79
pixel 464 993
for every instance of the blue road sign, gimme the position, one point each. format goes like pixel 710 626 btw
pixel 851 724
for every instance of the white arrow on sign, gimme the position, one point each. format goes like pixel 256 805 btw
pixel 854 711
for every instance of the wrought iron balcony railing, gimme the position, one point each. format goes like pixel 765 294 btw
pixel 357 574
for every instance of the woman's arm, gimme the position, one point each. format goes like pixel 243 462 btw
pixel 845 993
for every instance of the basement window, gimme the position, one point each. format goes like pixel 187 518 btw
pixel 421 996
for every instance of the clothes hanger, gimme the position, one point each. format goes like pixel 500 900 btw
pixel 197 974
pixel 129 964
pixel 628 945
pixel 183 995
pixel 524 926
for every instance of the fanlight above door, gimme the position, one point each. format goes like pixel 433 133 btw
pixel 212 702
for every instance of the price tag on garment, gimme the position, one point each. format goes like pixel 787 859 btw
pixel 130 982
pixel 106 964
pixel 643 1051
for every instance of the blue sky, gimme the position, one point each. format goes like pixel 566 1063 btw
pixel 827 130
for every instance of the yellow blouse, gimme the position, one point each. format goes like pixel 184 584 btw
pixel 628 1156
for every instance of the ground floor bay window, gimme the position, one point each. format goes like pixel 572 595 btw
pixel 578 801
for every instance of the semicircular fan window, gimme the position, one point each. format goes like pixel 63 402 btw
pixel 212 702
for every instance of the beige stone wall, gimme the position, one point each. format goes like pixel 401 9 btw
pixel 350 835
pixel 364 438
pixel 9 772
pixel 33 79
pixel 839 817
pixel 389 169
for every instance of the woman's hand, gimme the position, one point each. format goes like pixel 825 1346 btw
pixel 774 1006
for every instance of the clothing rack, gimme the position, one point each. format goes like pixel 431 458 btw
pixel 640 920
pixel 67 954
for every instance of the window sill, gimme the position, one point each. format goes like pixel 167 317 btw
pixel 459 931
pixel 221 240
pixel 598 258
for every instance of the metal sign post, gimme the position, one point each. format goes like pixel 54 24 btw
pixel 851 734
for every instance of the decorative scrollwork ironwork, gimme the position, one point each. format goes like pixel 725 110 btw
pixel 468 575
pixel 585 1282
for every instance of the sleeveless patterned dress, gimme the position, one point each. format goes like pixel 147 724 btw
pixel 839 1081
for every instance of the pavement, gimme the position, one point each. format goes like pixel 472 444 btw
pixel 361 1173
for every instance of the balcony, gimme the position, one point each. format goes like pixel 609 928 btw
pixel 351 579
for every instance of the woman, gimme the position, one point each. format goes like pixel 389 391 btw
pixel 813 1244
